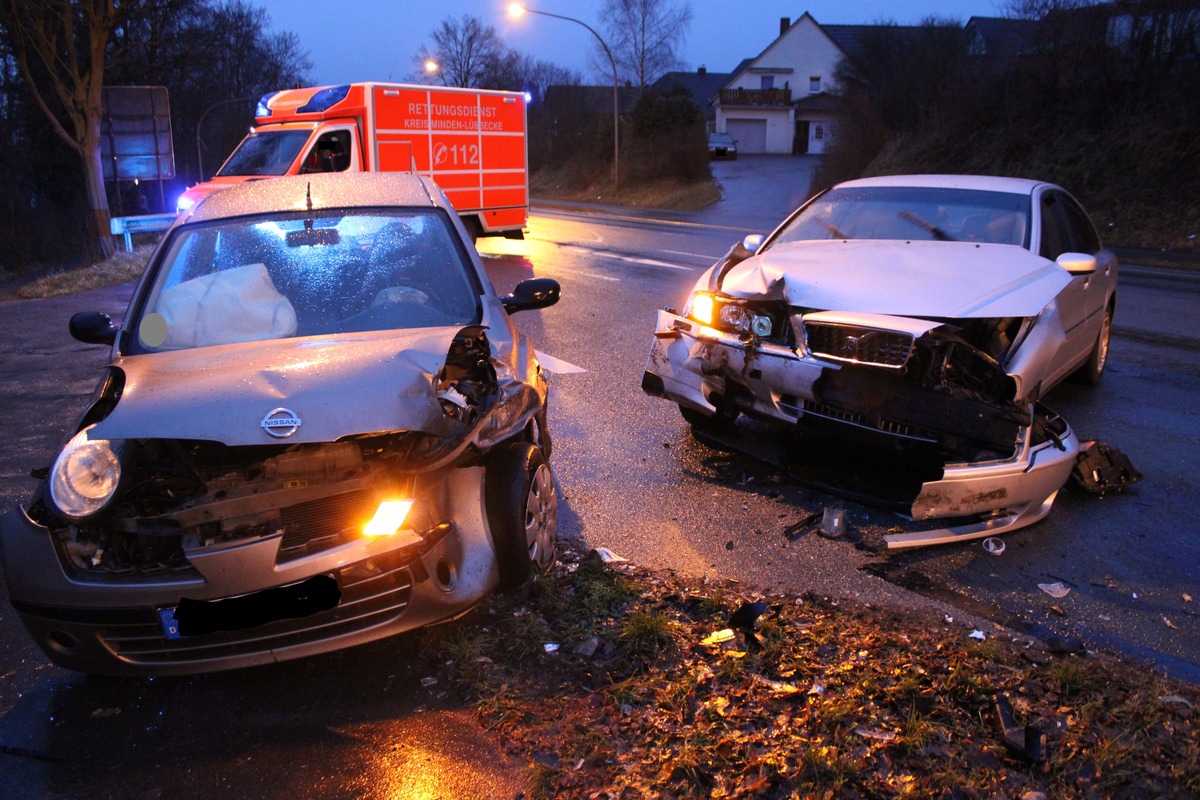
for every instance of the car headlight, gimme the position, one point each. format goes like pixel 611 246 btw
pixel 733 317
pixel 85 476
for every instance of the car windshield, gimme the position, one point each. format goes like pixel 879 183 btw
pixel 265 153
pixel 259 278
pixel 912 213
pixel 720 138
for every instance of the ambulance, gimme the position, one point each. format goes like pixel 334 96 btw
pixel 471 142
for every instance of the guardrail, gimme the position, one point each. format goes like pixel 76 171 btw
pixel 146 223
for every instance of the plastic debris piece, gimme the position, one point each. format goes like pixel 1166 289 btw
pixel 817 689
pixel 1056 590
pixel 798 529
pixel 429 681
pixel 948 619
pixel 746 617
pixel 980 635
pixel 1174 698
pixel 879 736
pixel 105 713
pixel 833 522
pixel 608 556
pixel 1187 598
pixel 1028 740
pixel 719 637
pixel 1170 624
pixel 1100 468
pixel 994 545
pixel 550 647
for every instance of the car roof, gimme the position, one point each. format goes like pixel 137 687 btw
pixel 987 183
pixel 327 190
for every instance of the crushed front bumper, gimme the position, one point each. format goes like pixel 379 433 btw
pixel 120 626
pixel 710 371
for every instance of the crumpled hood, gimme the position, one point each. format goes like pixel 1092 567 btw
pixel 337 386
pixel 911 279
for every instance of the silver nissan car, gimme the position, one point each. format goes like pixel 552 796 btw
pixel 927 315
pixel 318 427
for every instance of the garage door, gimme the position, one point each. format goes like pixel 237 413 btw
pixel 751 134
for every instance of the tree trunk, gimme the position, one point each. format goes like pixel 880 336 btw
pixel 97 196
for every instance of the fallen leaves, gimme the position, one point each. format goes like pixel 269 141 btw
pixel 814 699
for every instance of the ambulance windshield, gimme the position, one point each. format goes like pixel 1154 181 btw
pixel 265 153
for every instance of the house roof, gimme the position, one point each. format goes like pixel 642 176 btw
pixel 702 86
pixel 1000 35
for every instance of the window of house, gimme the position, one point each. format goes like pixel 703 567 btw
pixel 767 81
pixel 818 131
pixel 814 84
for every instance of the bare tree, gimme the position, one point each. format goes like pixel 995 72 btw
pixel 60 48
pixel 465 53
pixel 645 36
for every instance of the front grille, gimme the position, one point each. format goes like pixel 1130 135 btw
pixel 888 427
pixel 321 524
pixel 373 593
pixel 858 344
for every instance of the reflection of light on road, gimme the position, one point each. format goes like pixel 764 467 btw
pixel 425 756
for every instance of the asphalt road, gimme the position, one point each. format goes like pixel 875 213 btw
pixel 638 483
pixel 634 480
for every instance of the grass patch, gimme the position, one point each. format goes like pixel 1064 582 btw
pixel 824 700
pixel 670 194
pixel 121 268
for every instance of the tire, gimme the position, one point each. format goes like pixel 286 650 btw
pixel 716 423
pixel 522 511
pixel 1093 369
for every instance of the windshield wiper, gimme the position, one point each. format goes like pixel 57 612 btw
pixel 933 230
pixel 834 230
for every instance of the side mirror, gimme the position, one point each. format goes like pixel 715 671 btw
pixel 532 294
pixel 93 327
pixel 1077 263
pixel 753 242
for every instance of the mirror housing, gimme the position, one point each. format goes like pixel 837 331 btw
pixel 530 294
pixel 753 242
pixel 93 327
pixel 1077 263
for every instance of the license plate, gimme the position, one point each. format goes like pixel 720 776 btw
pixel 170 627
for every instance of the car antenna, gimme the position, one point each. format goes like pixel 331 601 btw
pixel 308 222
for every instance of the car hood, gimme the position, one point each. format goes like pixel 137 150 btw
pixel 336 386
pixel 911 279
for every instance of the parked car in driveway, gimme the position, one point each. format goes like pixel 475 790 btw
pixel 721 145
pixel 318 427
pixel 925 313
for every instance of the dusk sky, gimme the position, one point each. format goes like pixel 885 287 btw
pixel 375 40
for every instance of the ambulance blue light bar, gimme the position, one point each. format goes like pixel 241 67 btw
pixel 325 98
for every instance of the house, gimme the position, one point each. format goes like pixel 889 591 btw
pixel 780 101
pixel 785 99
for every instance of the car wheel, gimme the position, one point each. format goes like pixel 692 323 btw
pixel 714 423
pixel 522 510
pixel 1093 369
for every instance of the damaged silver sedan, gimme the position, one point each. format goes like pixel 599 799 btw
pixel 318 427
pixel 923 314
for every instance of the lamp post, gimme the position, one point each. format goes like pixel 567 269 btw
pixel 516 9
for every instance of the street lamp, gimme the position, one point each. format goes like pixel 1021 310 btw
pixel 199 150
pixel 516 9
pixel 432 67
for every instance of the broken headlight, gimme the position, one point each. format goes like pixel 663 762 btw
pixel 85 475
pixel 722 314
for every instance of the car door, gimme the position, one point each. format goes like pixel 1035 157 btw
pixel 1066 229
